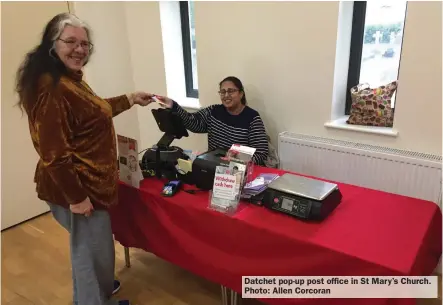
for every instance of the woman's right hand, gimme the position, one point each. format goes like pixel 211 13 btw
pixel 85 207
pixel 168 103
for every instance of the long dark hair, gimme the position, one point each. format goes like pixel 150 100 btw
pixel 238 84
pixel 43 60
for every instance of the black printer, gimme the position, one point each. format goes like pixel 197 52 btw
pixel 203 167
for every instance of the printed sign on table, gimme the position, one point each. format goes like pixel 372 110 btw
pixel 225 186
pixel 130 171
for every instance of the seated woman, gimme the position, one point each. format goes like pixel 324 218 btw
pixel 232 122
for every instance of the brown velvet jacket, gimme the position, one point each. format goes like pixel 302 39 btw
pixel 73 133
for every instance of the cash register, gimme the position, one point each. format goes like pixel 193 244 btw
pixel 160 160
pixel 302 197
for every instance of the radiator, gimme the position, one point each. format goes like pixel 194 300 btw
pixel 402 172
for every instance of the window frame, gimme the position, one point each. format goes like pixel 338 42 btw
pixel 187 53
pixel 356 51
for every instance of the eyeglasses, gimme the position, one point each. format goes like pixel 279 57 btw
pixel 229 92
pixel 72 43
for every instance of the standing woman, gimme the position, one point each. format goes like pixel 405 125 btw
pixel 73 133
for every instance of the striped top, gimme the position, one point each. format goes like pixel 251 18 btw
pixel 225 129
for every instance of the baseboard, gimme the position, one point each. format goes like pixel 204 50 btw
pixel 24 221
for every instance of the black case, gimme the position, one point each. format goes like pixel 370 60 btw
pixel 203 168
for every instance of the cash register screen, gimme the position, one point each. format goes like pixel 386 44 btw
pixel 287 204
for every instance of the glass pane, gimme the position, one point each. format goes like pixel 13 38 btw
pixel 193 47
pixel 382 42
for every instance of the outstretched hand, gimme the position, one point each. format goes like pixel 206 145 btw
pixel 140 98
pixel 167 102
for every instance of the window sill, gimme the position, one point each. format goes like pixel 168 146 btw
pixel 189 103
pixel 340 123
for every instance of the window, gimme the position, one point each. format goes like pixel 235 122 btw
pixel 189 47
pixel 376 42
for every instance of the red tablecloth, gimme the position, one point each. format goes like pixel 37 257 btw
pixel 371 233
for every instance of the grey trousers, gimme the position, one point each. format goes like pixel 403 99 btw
pixel 92 255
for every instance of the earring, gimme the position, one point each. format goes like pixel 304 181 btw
pixel 50 53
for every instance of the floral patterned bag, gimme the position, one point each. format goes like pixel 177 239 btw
pixel 372 107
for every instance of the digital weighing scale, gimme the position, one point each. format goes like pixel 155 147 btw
pixel 302 197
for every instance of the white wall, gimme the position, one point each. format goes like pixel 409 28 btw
pixel 128 57
pixel 21 26
pixel 145 35
pixel 285 54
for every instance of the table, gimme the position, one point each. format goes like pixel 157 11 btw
pixel 371 233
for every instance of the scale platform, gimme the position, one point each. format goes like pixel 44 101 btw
pixel 302 197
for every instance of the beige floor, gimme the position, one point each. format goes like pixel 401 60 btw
pixel 36 271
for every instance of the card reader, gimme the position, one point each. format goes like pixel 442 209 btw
pixel 171 188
